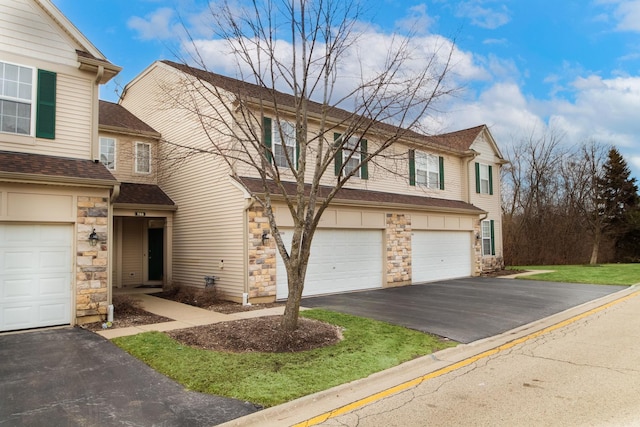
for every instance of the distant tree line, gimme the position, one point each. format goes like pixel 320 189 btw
pixel 568 204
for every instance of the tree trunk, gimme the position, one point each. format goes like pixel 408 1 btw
pixel 595 249
pixel 289 322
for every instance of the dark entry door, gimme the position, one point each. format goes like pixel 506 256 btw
pixel 156 253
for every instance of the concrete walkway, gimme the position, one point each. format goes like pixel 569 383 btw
pixel 184 316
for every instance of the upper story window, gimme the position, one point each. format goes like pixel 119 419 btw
pixel 484 179
pixel 426 169
pixel 351 157
pixel 16 98
pixel 284 143
pixel 108 152
pixel 26 93
pixel 143 157
pixel 488 245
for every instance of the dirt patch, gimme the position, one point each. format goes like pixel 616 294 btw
pixel 209 300
pixel 127 312
pixel 261 334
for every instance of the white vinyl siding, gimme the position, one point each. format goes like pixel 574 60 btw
pixel 25 30
pixel 143 157
pixel 108 152
pixel 208 228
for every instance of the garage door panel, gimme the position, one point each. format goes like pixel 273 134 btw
pixel 440 255
pixel 35 275
pixel 341 261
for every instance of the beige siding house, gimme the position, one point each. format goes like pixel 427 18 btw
pixel 142 212
pixel 432 213
pixel 54 193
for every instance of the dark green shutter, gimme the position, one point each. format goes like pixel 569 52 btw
pixel 266 137
pixel 490 180
pixel 441 176
pixel 477 177
pixel 46 105
pixel 364 168
pixel 493 241
pixel 337 161
pixel 412 167
pixel 297 155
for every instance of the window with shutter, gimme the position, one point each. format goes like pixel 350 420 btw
pixel 426 170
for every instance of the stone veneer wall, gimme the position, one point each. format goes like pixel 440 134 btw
pixel 92 261
pixel 262 258
pixel 398 234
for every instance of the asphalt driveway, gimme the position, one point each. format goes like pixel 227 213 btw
pixel 73 377
pixel 464 310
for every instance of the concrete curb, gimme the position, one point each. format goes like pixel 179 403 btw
pixel 308 407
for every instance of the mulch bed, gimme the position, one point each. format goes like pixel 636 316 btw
pixel 261 334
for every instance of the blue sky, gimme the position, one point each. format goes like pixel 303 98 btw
pixel 570 66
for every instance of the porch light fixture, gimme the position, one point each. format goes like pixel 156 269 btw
pixel 93 238
pixel 265 238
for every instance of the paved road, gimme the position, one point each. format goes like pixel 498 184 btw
pixel 73 377
pixel 464 310
pixel 586 372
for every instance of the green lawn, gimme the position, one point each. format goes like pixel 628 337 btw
pixel 270 379
pixel 604 274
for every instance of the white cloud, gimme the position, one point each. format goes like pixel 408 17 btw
pixel 482 16
pixel 157 25
pixel 625 12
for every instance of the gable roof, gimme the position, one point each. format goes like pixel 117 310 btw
pixel 53 169
pixel 377 198
pixel 115 117
pixel 458 141
pixel 89 57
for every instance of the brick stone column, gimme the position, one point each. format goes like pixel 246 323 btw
pixel 262 257
pixel 92 261
pixel 398 233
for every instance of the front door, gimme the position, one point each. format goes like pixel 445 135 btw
pixel 156 253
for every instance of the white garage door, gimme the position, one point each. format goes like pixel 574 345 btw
pixel 439 255
pixel 35 276
pixel 341 261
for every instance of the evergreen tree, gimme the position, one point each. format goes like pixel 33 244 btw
pixel 618 201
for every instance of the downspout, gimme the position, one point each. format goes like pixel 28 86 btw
pixel 248 204
pixel 95 150
pixel 471 157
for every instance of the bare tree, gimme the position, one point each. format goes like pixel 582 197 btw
pixel 295 53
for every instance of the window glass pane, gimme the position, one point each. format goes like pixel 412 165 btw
pixel 143 158
pixel 15 83
pixel 484 179
pixel 350 164
pixel 108 152
pixel 427 170
pixel 285 130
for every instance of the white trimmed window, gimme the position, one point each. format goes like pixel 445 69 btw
pixel 484 179
pixel 351 156
pixel 108 152
pixel 488 245
pixel 427 170
pixel 143 157
pixel 284 143
pixel 16 98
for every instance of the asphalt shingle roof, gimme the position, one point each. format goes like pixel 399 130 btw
pixel 458 140
pixel 357 195
pixel 37 164
pixel 115 115
pixel 143 194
